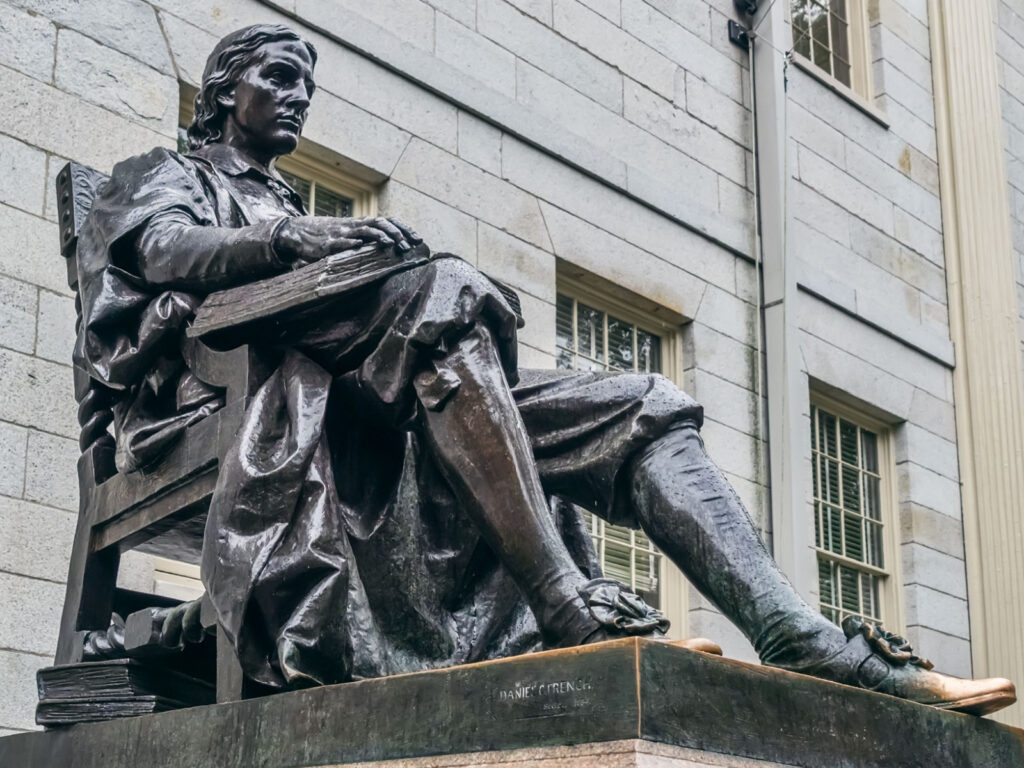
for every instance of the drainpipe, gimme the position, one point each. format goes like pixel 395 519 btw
pixel 768 37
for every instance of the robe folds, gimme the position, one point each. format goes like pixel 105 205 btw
pixel 334 549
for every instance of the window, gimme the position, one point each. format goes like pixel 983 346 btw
pixel 593 334
pixel 831 35
pixel 850 501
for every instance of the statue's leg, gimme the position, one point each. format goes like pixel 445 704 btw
pixel 690 511
pixel 478 439
pixel 687 507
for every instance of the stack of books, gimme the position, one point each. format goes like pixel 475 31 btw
pixel 102 690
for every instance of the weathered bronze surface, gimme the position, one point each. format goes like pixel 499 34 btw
pixel 371 468
pixel 626 689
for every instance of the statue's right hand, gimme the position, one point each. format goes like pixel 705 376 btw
pixel 304 239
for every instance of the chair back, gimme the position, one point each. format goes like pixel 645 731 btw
pixel 77 187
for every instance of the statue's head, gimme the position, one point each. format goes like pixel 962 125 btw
pixel 256 89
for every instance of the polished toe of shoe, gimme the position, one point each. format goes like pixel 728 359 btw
pixel 702 644
pixel 888 665
pixel 921 685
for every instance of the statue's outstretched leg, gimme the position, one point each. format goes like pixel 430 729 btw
pixel 479 441
pixel 691 512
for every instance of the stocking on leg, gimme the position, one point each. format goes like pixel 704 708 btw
pixel 478 439
pixel 691 512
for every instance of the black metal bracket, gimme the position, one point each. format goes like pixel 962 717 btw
pixel 745 7
pixel 738 35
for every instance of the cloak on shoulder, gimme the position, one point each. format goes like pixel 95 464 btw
pixel 333 548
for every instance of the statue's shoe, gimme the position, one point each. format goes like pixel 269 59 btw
pixel 883 662
pixel 702 644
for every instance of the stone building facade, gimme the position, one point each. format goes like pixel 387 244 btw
pixel 598 156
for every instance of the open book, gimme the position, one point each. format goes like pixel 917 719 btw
pixel 236 315
pixel 229 315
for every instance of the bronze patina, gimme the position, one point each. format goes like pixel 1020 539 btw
pixel 385 505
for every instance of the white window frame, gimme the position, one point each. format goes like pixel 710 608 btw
pixel 890 588
pixel 303 164
pixel 861 88
pixel 648 316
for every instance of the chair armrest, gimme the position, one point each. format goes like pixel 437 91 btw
pixel 240 370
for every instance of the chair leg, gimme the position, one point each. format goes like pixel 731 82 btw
pixel 230 680
pixel 89 599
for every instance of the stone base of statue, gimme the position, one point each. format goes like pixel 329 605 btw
pixel 627 702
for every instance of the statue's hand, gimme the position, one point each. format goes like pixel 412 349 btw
pixel 305 239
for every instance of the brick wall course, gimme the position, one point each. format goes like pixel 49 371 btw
pixel 19 303
pixel 17 705
pixel 537 44
pixel 526 268
pixel 128 26
pixel 27 42
pixel 47 479
pixel 476 56
pixel 115 81
pixel 32 614
pixel 13 444
pixel 633 222
pixel 489 198
pixel 463 11
pixel 22 175
pixel 607 41
pixel 438 223
pixel 26 553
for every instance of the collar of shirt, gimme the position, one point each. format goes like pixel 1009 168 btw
pixel 234 162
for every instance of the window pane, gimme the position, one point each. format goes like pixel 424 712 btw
pixel 832 524
pixel 827 434
pixel 302 186
pixel 589 337
pixel 620 345
pixel 801 28
pixel 330 203
pixel 848 442
pixel 838 8
pixel 826 583
pixel 869 450
pixel 841 71
pixel 874 545
pixel 564 333
pixel 648 352
pixel 872 498
pixel 853 537
pixel 831 481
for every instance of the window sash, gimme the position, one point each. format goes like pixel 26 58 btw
pixel 831 35
pixel 849 522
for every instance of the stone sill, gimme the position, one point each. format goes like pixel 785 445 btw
pixel 840 90
pixel 611 692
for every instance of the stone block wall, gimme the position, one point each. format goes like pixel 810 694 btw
pixel 530 137
pixel 865 230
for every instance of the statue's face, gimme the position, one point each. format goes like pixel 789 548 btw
pixel 270 100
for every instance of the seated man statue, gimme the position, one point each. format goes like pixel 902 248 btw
pixel 384 507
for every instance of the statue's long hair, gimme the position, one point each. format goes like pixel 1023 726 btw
pixel 234 54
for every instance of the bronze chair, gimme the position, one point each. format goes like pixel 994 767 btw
pixel 161 511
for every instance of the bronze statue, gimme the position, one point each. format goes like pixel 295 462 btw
pixel 384 507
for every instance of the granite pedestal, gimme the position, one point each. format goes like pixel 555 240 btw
pixel 628 702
